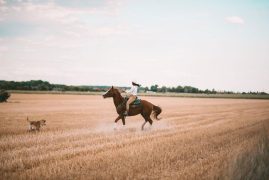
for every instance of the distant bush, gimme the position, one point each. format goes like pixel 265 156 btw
pixel 4 96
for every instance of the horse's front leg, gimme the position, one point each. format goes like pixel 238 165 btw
pixel 123 121
pixel 116 120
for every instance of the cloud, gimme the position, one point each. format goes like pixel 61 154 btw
pixel 235 20
pixel 3 50
pixel 2 2
pixel 44 13
pixel 53 18
pixel 55 11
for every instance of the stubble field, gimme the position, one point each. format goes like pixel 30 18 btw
pixel 195 139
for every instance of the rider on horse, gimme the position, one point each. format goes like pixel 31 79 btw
pixel 145 108
pixel 132 95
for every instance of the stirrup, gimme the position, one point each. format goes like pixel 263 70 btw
pixel 125 113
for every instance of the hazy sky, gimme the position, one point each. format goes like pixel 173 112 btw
pixel 220 44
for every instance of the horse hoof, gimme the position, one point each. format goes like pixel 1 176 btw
pixel 115 125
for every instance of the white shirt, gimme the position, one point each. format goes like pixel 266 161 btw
pixel 132 91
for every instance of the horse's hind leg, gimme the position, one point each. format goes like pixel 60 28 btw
pixel 142 127
pixel 147 119
pixel 150 121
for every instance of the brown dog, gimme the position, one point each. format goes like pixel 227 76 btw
pixel 36 125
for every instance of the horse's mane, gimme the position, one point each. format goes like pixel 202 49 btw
pixel 118 89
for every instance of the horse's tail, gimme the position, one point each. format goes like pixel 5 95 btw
pixel 156 111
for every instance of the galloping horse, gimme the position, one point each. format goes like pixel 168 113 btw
pixel 145 108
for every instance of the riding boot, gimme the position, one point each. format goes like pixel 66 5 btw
pixel 125 113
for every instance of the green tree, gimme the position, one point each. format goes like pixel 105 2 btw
pixel 154 88
pixel 163 89
pixel 179 89
pixel 146 89
pixel 214 91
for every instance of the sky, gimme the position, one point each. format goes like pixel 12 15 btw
pixel 210 44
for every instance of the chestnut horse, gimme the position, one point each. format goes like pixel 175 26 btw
pixel 145 108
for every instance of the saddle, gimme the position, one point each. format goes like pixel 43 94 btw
pixel 136 102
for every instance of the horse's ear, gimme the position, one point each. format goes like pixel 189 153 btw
pixel 112 87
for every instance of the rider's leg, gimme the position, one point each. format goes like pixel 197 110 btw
pixel 130 100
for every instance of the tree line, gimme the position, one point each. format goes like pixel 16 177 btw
pixel 190 89
pixel 181 89
pixel 39 85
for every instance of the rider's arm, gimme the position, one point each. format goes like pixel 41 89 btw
pixel 133 90
pixel 130 90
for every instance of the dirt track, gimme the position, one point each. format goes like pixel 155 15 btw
pixel 196 138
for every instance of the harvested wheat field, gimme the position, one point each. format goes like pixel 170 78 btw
pixel 195 139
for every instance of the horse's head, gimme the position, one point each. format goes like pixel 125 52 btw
pixel 109 93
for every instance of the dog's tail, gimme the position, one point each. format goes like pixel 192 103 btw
pixel 27 119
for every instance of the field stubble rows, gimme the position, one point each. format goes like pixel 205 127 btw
pixel 196 138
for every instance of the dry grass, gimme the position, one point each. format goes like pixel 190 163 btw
pixel 196 139
pixel 252 161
